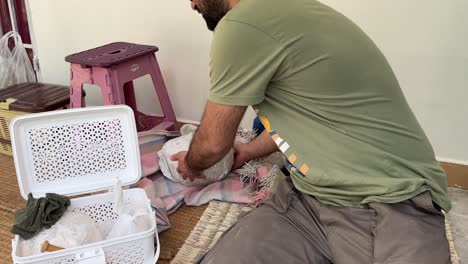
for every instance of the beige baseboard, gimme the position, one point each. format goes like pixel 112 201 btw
pixel 457 174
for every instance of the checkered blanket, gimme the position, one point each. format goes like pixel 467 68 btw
pixel 249 185
pixel 166 196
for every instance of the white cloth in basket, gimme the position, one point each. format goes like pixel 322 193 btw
pixel 130 220
pixel 72 230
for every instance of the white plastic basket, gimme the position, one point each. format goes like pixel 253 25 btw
pixel 80 151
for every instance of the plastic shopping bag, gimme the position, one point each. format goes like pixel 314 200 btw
pixel 15 66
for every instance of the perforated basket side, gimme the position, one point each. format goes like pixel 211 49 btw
pixel 139 251
pixel 132 249
pixel 126 253
pixel 75 151
pixel 100 207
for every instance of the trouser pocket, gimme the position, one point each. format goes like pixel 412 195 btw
pixel 424 202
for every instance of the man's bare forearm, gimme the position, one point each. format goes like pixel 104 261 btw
pixel 201 158
pixel 261 146
pixel 215 137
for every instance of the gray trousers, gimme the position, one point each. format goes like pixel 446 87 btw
pixel 295 228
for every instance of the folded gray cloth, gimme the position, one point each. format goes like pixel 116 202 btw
pixel 39 213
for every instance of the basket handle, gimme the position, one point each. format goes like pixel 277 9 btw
pixel 156 254
pixel 95 256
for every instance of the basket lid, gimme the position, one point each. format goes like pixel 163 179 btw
pixel 75 151
pixel 34 97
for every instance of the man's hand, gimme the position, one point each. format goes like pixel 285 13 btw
pixel 261 146
pixel 241 155
pixel 185 171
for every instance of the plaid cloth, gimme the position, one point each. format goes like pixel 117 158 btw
pixel 166 196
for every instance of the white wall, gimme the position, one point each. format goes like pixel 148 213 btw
pixel 64 27
pixel 425 41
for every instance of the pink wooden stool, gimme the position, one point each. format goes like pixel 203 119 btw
pixel 113 68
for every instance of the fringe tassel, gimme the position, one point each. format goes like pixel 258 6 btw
pixel 259 184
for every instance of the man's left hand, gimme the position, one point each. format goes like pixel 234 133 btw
pixel 183 170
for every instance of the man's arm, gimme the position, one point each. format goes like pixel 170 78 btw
pixel 261 146
pixel 212 140
pixel 216 135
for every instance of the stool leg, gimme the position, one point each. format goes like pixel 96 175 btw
pixel 78 76
pixel 144 122
pixel 160 87
pixel 101 77
pixel 130 100
pixel 124 93
pixel 76 90
pixel 129 93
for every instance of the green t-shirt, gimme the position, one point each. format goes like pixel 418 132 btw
pixel 329 99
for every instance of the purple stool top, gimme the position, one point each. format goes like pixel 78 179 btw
pixel 110 54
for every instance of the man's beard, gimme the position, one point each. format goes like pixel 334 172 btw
pixel 213 11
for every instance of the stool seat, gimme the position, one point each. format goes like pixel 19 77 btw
pixel 111 54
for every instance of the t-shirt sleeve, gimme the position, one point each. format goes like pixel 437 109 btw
pixel 244 60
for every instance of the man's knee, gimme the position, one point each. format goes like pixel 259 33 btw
pixel 244 238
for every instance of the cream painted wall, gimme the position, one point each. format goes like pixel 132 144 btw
pixel 425 41
pixel 64 27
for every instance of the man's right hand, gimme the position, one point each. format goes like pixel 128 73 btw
pixel 261 146
pixel 241 155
